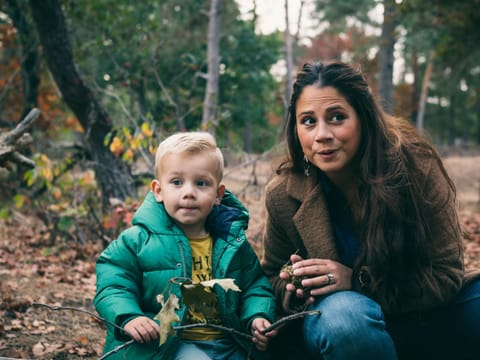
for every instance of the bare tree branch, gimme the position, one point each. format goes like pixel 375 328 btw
pixel 17 139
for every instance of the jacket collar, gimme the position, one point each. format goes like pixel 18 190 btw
pixel 229 216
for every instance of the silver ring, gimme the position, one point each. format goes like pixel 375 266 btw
pixel 331 279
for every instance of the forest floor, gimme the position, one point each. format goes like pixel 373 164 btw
pixel 63 275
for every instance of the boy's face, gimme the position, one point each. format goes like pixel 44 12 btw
pixel 189 189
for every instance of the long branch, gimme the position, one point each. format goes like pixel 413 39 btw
pixel 274 326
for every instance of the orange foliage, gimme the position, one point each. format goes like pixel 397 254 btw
pixel 11 82
pixel 116 146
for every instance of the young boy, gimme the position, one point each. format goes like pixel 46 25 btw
pixel 188 227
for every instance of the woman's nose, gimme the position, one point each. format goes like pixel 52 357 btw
pixel 323 132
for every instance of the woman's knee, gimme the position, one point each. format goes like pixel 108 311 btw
pixel 346 312
pixel 348 322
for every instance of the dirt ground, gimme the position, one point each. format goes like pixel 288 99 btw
pixel 32 272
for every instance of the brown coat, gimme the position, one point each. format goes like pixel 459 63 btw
pixel 298 220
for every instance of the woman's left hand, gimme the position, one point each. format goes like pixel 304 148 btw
pixel 324 277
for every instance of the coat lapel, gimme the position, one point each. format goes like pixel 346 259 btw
pixel 312 219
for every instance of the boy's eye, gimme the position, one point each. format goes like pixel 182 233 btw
pixel 201 183
pixel 176 182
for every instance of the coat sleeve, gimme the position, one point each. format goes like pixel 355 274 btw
pixel 118 279
pixel 443 277
pixel 257 299
pixel 280 241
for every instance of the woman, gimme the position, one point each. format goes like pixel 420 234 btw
pixel 365 211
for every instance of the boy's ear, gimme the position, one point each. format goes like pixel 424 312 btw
pixel 157 190
pixel 220 192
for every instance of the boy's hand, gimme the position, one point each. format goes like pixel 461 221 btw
pixel 143 329
pixel 259 325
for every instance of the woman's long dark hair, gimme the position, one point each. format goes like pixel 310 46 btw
pixel 395 230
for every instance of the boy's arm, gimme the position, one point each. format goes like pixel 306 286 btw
pixel 118 279
pixel 258 300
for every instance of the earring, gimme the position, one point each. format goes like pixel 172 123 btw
pixel 306 166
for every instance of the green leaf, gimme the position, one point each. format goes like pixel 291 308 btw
pixel 65 223
pixel 18 199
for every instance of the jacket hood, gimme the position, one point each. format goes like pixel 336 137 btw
pixel 153 216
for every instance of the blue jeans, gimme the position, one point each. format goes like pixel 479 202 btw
pixel 221 349
pixel 350 326
pixel 451 332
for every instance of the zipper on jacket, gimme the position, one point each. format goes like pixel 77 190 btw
pixel 182 254
pixel 214 270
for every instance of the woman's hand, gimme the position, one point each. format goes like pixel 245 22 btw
pixel 323 276
pixel 259 325
pixel 142 329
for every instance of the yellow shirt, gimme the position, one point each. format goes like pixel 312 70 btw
pixel 201 271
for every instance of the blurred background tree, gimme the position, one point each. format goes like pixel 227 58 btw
pixel 112 78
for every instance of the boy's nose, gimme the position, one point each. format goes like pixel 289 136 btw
pixel 188 190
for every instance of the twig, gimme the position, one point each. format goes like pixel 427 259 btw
pixel 104 356
pixel 213 326
pixel 285 319
pixel 117 349
pixel 84 312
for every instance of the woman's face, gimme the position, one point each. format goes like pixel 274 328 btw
pixel 329 131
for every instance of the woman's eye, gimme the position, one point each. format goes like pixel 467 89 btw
pixel 338 117
pixel 308 120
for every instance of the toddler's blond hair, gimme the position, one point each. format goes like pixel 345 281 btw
pixel 193 142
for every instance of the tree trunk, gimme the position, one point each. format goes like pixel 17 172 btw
pixel 424 92
pixel 210 103
pixel 288 58
pixel 387 43
pixel 415 92
pixel 478 137
pixel 29 54
pixel 113 176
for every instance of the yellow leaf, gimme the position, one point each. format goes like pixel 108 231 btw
pixel 44 158
pixel 126 132
pixel 18 200
pixel 167 316
pixel 47 174
pixel 128 155
pixel 135 143
pixel 146 129
pixel 116 146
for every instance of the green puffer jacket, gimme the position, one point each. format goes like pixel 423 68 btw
pixel 137 267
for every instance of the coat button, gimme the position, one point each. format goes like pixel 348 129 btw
pixel 179 265
pixel 239 239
